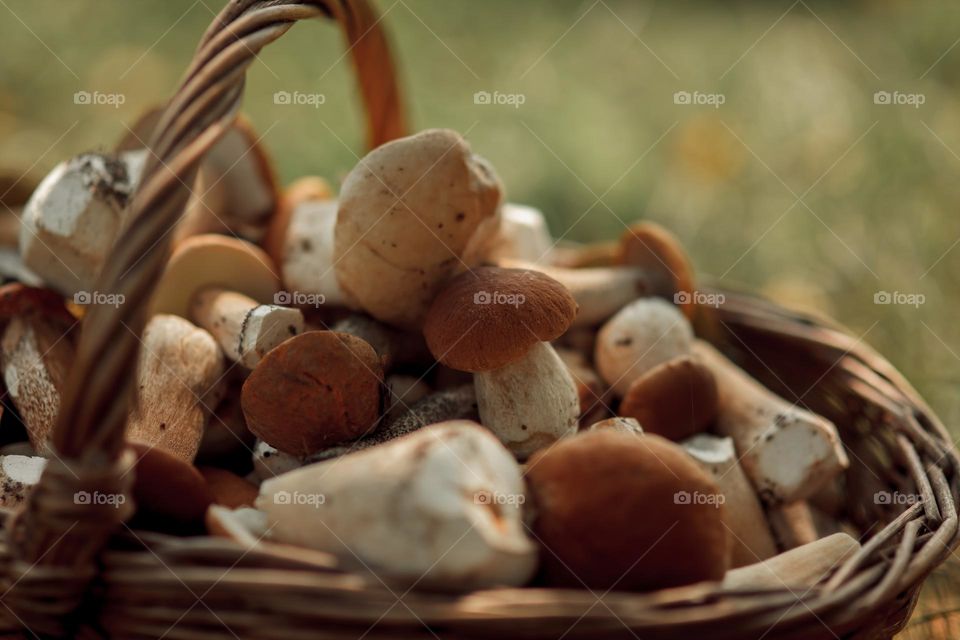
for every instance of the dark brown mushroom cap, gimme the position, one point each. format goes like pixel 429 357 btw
pixel 489 317
pixel 618 510
pixel 168 487
pixel 315 390
pixel 675 399
pixel 650 246
pixel 18 299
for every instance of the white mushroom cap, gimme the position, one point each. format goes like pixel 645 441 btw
pixel 523 235
pixel 645 333
pixel 443 509
pixel 213 260
pixel 307 251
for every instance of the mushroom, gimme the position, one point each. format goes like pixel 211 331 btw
pixel 168 489
pixel 645 333
pixel 752 540
pixel 268 462
pixel 401 392
pixel 442 510
pixel 591 390
pixel 788 452
pixel 179 374
pixel 222 283
pixel 228 489
pixel 394 347
pixel 652 264
pixel 226 435
pixel 798 569
pixel 300 191
pixel 413 212
pixel 523 235
pixel 245 526
pixel 304 252
pixel 496 323
pixel 580 256
pixel 624 425
pixel 612 510
pixel 459 403
pixel 18 476
pixel 74 216
pixel 36 352
pixel 674 399
pixel 315 390
pixel 235 192
pixel 793 524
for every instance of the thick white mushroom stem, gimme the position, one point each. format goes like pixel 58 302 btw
pixel 443 510
pixel 530 403
pixel 599 291
pixel 244 329
pixel 786 451
pixel 35 359
pixel 799 568
pixel 752 540
pixel 180 379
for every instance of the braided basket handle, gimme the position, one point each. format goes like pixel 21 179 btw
pixel 88 439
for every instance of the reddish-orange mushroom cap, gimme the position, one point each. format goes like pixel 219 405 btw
pixel 489 317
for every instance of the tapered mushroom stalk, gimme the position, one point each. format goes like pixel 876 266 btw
pixel 440 508
pixel 412 213
pixel 651 262
pixel 497 324
pixel 226 285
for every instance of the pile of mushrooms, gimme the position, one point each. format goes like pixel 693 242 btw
pixel 412 376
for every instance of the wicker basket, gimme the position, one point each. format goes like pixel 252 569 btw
pixel 73 570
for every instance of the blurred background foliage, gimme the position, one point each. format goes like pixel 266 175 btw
pixel 798 186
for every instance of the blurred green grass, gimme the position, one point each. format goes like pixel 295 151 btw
pixel 799 185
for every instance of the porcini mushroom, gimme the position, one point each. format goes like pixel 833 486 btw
pixel 613 510
pixel 523 235
pixel 787 451
pixel 74 216
pixel 750 534
pixel 623 425
pixel 168 488
pixel 315 390
pixel 413 212
pixel 645 333
pixel 656 265
pixel 442 510
pixel 496 323
pixel 36 352
pixel 226 286
pixel 18 476
pixel 674 399
pixel 236 189
pixel 179 376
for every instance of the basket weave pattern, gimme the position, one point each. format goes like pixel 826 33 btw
pixel 69 570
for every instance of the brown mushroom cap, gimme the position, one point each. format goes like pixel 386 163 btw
pixel 608 515
pixel 228 489
pixel 489 317
pixel 648 245
pixel 675 399
pixel 313 391
pixel 169 487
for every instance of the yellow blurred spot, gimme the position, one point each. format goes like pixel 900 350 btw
pixel 707 151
